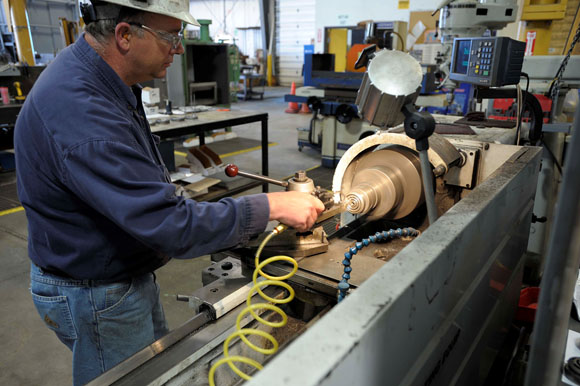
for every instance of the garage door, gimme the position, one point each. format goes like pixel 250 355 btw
pixel 294 29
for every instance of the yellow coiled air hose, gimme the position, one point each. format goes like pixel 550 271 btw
pixel 242 332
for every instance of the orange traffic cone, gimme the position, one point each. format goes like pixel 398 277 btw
pixel 304 108
pixel 292 106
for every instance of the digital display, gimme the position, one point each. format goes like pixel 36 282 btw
pixel 462 57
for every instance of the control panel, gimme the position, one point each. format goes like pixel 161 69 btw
pixel 487 61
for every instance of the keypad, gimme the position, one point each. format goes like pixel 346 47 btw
pixel 481 57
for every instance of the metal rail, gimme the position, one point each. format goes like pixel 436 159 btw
pixel 149 352
pixel 557 288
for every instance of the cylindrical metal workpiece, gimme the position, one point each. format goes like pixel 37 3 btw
pixel 374 188
pixel 385 182
pixel 361 200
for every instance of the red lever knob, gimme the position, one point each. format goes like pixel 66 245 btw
pixel 231 170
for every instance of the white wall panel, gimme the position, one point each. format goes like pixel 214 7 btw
pixel 242 21
pixel 238 14
pixel 249 41
pixel 295 22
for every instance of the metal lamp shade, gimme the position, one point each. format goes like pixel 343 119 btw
pixel 393 79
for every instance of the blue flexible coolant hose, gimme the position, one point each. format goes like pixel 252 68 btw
pixel 344 286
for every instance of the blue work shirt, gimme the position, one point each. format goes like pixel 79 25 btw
pixel 93 184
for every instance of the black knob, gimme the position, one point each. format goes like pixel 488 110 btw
pixel 227 266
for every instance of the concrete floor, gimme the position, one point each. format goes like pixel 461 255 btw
pixel 30 353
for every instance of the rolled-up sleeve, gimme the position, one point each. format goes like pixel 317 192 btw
pixel 129 189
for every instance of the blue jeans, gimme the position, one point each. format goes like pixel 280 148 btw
pixel 102 322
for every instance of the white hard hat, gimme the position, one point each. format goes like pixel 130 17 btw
pixel 178 9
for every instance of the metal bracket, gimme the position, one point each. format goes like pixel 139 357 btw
pixel 224 288
pixel 220 297
pixel 557 128
pixel 465 175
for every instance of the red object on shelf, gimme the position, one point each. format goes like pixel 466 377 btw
pixel 528 304
pixel 545 102
pixel 503 108
pixel 502 104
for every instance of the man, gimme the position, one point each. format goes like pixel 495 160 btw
pixel 102 215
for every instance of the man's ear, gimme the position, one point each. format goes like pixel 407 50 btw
pixel 123 36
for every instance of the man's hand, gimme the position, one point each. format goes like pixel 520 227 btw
pixel 295 209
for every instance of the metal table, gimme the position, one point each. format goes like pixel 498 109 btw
pixel 247 91
pixel 212 120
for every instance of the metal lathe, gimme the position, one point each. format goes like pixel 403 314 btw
pixel 427 230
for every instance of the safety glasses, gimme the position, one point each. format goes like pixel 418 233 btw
pixel 173 39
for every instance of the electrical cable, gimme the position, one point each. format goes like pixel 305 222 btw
pixel 398 35
pixel 523 107
pixel 400 39
pixel 251 308
pixel 518 111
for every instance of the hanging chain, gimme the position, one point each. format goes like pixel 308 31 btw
pixel 555 88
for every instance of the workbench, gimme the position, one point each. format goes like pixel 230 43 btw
pixel 212 120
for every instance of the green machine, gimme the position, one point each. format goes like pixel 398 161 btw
pixel 204 30
pixel 211 71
